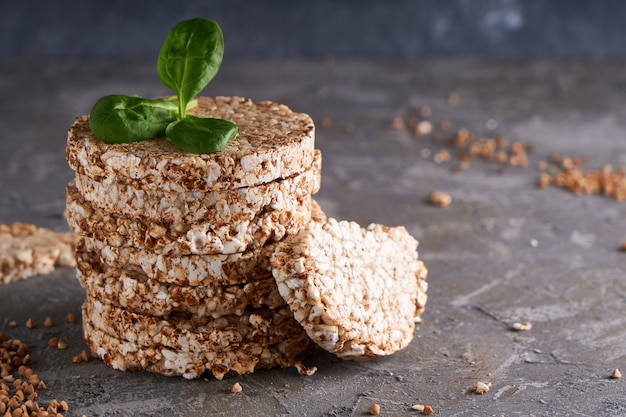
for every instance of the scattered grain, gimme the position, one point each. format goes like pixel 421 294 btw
pixel 623 246
pixel 62 345
pixel 84 355
pixel 428 410
pixel 18 395
pixel 12 323
pixel 30 323
pixel 566 172
pixel 236 388
pixel 374 409
pixel 418 407
pixel 445 125
pixel 442 156
pixel 544 180
pixel 397 124
pixel 616 374
pixel 521 327
pixel 326 122
pixel 453 98
pixel 481 388
pixel 426 111
pixel 425 153
pixel 70 318
pixel 423 128
pixel 439 198
pixel 54 342
pixel 48 322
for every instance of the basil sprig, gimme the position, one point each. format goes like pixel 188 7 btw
pixel 189 59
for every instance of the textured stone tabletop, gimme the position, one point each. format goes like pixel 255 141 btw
pixel 503 252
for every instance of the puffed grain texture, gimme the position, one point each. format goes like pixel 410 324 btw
pixel 179 238
pixel 27 250
pixel 137 293
pixel 273 142
pixel 124 355
pixel 185 270
pixel 217 207
pixel 184 332
pixel 357 292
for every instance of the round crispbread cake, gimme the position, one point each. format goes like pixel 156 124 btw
pixel 241 233
pixel 273 142
pixel 215 207
pixel 197 334
pixel 137 293
pixel 357 292
pixel 185 270
pixel 124 355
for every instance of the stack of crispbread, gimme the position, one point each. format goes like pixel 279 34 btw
pixel 174 246
pixel 224 262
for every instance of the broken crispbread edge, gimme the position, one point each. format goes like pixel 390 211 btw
pixel 273 142
pixel 357 292
pixel 27 250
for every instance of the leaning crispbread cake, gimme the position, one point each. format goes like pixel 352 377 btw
pixel 27 250
pixel 273 142
pixel 357 292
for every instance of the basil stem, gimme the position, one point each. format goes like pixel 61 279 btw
pixel 124 119
pixel 200 134
pixel 190 57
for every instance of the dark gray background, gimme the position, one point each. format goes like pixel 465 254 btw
pixel 284 28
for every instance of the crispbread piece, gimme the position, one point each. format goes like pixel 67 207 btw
pixel 184 332
pixel 27 250
pixel 317 214
pixel 124 355
pixel 176 238
pixel 357 292
pixel 217 207
pixel 185 270
pixel 273 142
pixel 138 293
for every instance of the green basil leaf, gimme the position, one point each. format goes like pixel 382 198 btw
pixel 200 134
pixel 124 119
pixel 190 57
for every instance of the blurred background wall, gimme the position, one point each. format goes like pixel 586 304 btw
pixel 290 28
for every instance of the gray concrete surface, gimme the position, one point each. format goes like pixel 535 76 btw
pixel 484 273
